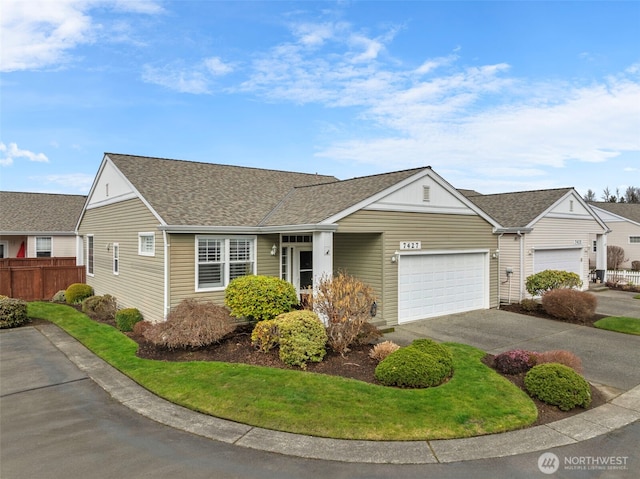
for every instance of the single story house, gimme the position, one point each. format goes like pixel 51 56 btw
pixel 38 225
pixel 624 221
pixel 539 230
pixel 156 231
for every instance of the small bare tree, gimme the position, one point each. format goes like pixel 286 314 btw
pixel 615 257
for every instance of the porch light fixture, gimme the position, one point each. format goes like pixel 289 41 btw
pixel 274 250
pixel 394 258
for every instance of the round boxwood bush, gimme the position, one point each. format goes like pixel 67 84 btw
pixel 423 364
pixel 260 297
pixel 302 338
pixel 13 312
pixel 77 292
pixel 127 318
pixel 558 385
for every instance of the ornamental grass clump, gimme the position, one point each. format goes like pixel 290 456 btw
pixel 558 385
pixel 516 361
pixel 381 350
pixel 192 324
pixel 346 304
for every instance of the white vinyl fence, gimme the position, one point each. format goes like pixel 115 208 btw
pixel 624 275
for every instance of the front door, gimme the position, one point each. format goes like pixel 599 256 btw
pixel 304 269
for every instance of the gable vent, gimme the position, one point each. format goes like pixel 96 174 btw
pixel 426 194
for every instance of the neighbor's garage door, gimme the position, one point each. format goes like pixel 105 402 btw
pixel 438 284
pixel 567 259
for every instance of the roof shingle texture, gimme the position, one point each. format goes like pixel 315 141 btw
pixel 206 194
pixel 39 212
pixel 626 210
pixel 519 209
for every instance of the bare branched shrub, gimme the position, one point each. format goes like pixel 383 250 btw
pixel 192 324
pixel 560 356
pixel 382 350
pixel 569 304
pixel 615 257
pixel 345 302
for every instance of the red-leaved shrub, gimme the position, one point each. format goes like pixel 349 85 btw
pixel 562 357
pixel 515 361
pixel 569 304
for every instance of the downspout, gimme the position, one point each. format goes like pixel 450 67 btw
pixel 166 275
pixel 521 266
pixel 499 269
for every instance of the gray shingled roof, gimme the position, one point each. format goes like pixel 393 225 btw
pixel 626 210
pixel 313 204
pixel 207 194
pixel 518 209
pixel 26 213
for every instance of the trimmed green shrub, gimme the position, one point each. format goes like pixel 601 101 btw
pixel 302 338
pixel 192 324
pixel 127 318
pixel 59 297
pixel 539 283
pixel 558 385
pixel 77 292
pixel 265 335
pixel 570 304
pixel 260 297
pixel 422 364
pixel 515 361
pixel 13 312
pixel 102 308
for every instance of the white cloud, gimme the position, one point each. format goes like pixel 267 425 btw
pixel 78 182
pixel 196 79
pixel 11 152
pixel 42 33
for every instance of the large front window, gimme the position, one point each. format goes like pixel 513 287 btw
pixel 219 260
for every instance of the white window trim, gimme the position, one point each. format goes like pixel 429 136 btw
pixel 50 250
pixel 634 242
pixel 116 258
pixel 91 259
pixel 145 234
pixel 225 260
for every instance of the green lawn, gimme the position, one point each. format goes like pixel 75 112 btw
pixel 475 401
pixel 637 296
pixel 620 324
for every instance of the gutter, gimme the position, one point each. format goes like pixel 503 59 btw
pixel 246 229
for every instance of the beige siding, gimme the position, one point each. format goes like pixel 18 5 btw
pixel 140 283
pixel 360 255
pixel 510 253
pixel 619 236
pixel 183 267
pixel 549 232
pixel 435 231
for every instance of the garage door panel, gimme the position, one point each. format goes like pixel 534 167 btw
pixel 558 259
pixel 439 284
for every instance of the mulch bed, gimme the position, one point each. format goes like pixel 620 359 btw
pixel 539 313
pixel 237 348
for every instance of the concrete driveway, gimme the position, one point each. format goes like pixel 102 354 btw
pixel 608 358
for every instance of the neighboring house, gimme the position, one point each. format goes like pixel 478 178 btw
pixel 37 225
pixel 157 231
pixel 624 221
pixel 539 230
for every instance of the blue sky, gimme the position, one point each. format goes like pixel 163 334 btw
pixel 494 96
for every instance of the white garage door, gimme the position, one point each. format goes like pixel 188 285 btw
pixel 567 259
pixel 438 284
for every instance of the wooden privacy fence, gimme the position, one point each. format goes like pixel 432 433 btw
pixel 34 279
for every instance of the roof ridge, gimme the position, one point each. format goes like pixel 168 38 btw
pixel 526 191
pixel 42 193
pixel 218 164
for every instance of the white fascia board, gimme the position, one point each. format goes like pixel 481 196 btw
pixel 574 193
pixel 284 229
pixel 601 211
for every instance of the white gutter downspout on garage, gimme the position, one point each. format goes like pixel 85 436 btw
pixel 499 269
pixel 166 275
pixel 521 265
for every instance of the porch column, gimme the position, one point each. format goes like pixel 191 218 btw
pixel 601 257
pixel 322 255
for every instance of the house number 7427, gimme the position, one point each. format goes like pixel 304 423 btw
pixel 410 245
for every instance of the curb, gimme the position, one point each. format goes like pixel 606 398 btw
pixel 619 412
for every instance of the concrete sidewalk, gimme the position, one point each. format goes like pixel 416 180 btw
pixel 30 355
